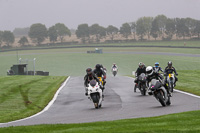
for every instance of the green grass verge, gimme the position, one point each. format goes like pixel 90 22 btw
pixel 189 81
pixel 23 96
pixel 61 62
pixel 182 123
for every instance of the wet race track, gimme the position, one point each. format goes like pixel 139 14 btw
pixel 120 102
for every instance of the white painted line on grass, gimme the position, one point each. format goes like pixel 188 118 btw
pixel 46 108
pixel 187 93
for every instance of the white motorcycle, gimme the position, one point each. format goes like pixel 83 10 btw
pixel 114 71
pixel 95 93
pixel 171 81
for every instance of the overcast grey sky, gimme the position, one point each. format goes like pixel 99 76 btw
pixel 24 13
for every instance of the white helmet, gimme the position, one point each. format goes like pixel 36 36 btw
pixel 149 70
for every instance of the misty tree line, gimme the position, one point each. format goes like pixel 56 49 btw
pixel 156 27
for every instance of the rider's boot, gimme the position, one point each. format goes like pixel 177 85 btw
pixel 135 87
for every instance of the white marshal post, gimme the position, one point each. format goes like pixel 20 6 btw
pixel 34 64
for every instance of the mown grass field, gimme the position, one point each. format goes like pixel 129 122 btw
pixel 23 96
pixel 73 62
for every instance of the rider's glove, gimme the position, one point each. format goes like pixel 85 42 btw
pixel 176 74
pixel 104 77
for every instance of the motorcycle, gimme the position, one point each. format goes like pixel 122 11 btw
pixel 95 93
pixel 170 82
pixel 159 92
pixel 142 83
pixel 114 71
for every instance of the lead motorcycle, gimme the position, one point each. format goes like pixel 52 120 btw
pixel 159 92
pixel 114 71
pixel 171 81
pixel 142 83
pixel 95 93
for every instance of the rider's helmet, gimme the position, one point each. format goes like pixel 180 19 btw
pixel 169 64
pixel 98 66
pixel 149 70
pixel 156 64
pixel 141 65
pixel 89 71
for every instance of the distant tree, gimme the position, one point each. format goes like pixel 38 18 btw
pixel 38 33
pixel 111 31
pixel 98 31
pixel 170 28
pixel 181 28
pixel 140 28
pixel 133 29
pixel 148 25
pixel 191 24
pixel 197 29
pixel 83 32
pixel 8 37
pixel 161 19
pixel 52 33
pixel 155 29
pixel 23 40
pixel 62 31
pixel 125 30
pixel 21 31
pixel 1 37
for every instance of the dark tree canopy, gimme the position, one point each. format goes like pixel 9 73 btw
pixel 52 33
pixel 111 31
pixel 83 32
pixel 62 31
pixel 125 30
pixel 8 37
pixel 38 33
pixel 23 40
pixel 98 31
pixel 154 29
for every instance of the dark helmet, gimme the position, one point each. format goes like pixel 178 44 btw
pixel 89 71
pixel 169 64
pixel 93 83
pixel 141 65
pixel 156 64
pixel 98 66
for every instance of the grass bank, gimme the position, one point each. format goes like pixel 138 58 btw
pixel 23 96
pixel 182 123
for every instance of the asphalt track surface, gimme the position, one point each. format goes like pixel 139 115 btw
pixel 120 102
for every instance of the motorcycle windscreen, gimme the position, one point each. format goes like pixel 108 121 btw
pixel 155 84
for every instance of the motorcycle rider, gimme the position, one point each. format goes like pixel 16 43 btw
pixel 169 70
pixel 114 66
pixel 99 72
pixel 151 74
pixel 88 77
pixel 140 69
pixel 157 68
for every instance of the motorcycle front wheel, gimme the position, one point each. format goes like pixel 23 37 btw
pixel 95 98
pixel 160 97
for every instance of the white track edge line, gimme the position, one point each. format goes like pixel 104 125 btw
pixel 187 93
pixel 46 108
